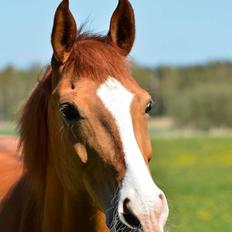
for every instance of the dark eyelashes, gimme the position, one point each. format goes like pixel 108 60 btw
pixel 70 113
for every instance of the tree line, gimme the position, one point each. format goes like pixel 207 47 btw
pixel 197 96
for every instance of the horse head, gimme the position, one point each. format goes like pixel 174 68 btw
pixel 97 122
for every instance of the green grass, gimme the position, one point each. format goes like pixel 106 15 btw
pixel 196 175
pixel 7 128
pixel 7 132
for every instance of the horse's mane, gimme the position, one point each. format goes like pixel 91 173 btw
pixel 33 128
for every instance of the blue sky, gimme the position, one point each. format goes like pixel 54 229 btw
pixel 176 32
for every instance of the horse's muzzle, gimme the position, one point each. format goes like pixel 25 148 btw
pixel 138 216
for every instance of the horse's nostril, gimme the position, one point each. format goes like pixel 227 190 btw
pixel 161 197
pixel 128 215
pixel 125 206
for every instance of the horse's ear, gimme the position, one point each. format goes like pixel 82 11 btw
pixel 64 32
pixel 122 27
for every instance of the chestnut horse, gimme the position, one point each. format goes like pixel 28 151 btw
pixel 84 139
pixel 10 165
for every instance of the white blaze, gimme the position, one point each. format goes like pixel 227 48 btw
pixel 137 185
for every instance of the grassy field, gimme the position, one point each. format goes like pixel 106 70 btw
pixel 195 172
pixel 7 128
pixel 196 175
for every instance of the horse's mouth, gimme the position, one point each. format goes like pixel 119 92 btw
pixel 120 226
pixel 115 224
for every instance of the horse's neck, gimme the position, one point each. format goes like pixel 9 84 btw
pixel 21 210
pixel 63 213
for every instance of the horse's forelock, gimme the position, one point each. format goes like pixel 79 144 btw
pixel 95 57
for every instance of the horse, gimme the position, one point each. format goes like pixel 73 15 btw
pixel 10 165
pixel 84 138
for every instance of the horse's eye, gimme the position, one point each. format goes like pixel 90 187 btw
pixel 70 113
pixel 149 107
